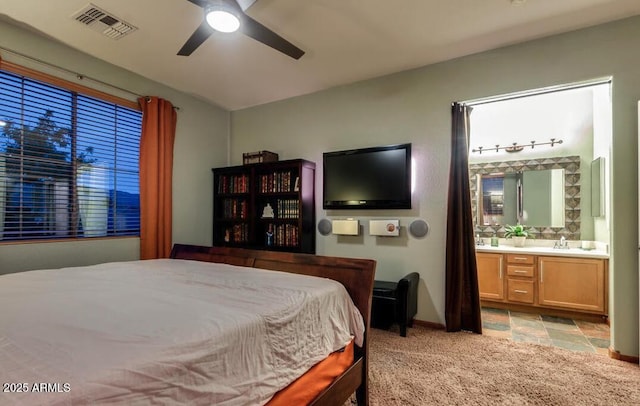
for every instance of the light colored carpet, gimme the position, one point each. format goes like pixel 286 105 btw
pixel 432 367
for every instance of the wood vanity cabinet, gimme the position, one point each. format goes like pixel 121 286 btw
pixel 490 276
pixel 572 283
pixel 562 285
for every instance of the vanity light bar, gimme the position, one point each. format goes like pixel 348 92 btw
pixel 517 148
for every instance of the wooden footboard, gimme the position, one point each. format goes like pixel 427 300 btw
pixel 356 275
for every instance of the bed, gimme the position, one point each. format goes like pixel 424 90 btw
pixel 210 325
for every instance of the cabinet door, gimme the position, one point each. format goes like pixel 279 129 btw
pixel 572 283
pixel 490 276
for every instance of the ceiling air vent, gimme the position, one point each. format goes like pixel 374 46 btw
pixel 103 22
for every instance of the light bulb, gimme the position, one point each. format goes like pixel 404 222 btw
pixel 222 20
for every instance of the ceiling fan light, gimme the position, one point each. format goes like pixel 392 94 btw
pixel 221 19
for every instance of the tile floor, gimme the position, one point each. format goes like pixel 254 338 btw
pixel 575 335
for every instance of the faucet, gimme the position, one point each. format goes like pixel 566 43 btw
pixel 562 244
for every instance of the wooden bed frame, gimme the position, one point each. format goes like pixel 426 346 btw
pixel 356 275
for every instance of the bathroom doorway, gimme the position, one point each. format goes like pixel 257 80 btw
pixel 566 128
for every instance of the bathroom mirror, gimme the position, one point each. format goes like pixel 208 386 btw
pixel 534 198
pixel 547 197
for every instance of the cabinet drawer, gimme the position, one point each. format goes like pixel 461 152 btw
pixel 520 259
pixel 520 270
pixel 520 291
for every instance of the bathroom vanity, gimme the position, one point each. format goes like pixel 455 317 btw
pixel 563 282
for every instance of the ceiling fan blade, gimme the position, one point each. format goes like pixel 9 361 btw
pixel 201 3
pixel 245 4
pixel 196 39
pixel 259 32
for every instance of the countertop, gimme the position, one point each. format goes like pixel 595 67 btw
pixel 574 251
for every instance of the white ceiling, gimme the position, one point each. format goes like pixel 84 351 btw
pixel 345 40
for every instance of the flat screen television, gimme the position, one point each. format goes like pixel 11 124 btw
pixel 367 178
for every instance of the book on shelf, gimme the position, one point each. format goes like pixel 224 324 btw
pixel 235 209
pixel 239 233
pixel 283 235
pixel 275 182
pixel 288 208
pixel 233 184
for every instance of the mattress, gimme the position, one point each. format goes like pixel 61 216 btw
pixel 305 389
pixel 165 332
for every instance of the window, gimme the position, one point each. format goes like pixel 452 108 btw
pixel 68 162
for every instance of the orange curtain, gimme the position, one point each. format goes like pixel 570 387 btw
pixel 156 169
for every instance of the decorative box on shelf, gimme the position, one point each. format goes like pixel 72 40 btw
pixel 258 157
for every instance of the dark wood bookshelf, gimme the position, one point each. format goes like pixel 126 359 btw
pixel 241 193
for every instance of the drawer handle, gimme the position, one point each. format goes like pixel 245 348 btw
pixel 520 258
pixel 520 291
pixel 519 271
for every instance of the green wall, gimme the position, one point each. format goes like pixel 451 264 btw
pixel 201 143
pixel 414 106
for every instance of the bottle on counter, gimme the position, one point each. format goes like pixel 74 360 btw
pixel 494 240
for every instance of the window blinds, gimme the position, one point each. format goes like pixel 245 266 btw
pixel 68 163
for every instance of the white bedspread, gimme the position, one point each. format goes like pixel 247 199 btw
pixel 165 332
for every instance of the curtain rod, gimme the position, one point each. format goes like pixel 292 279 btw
pixel 79 76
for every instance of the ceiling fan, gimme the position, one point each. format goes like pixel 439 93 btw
pixel 233 18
